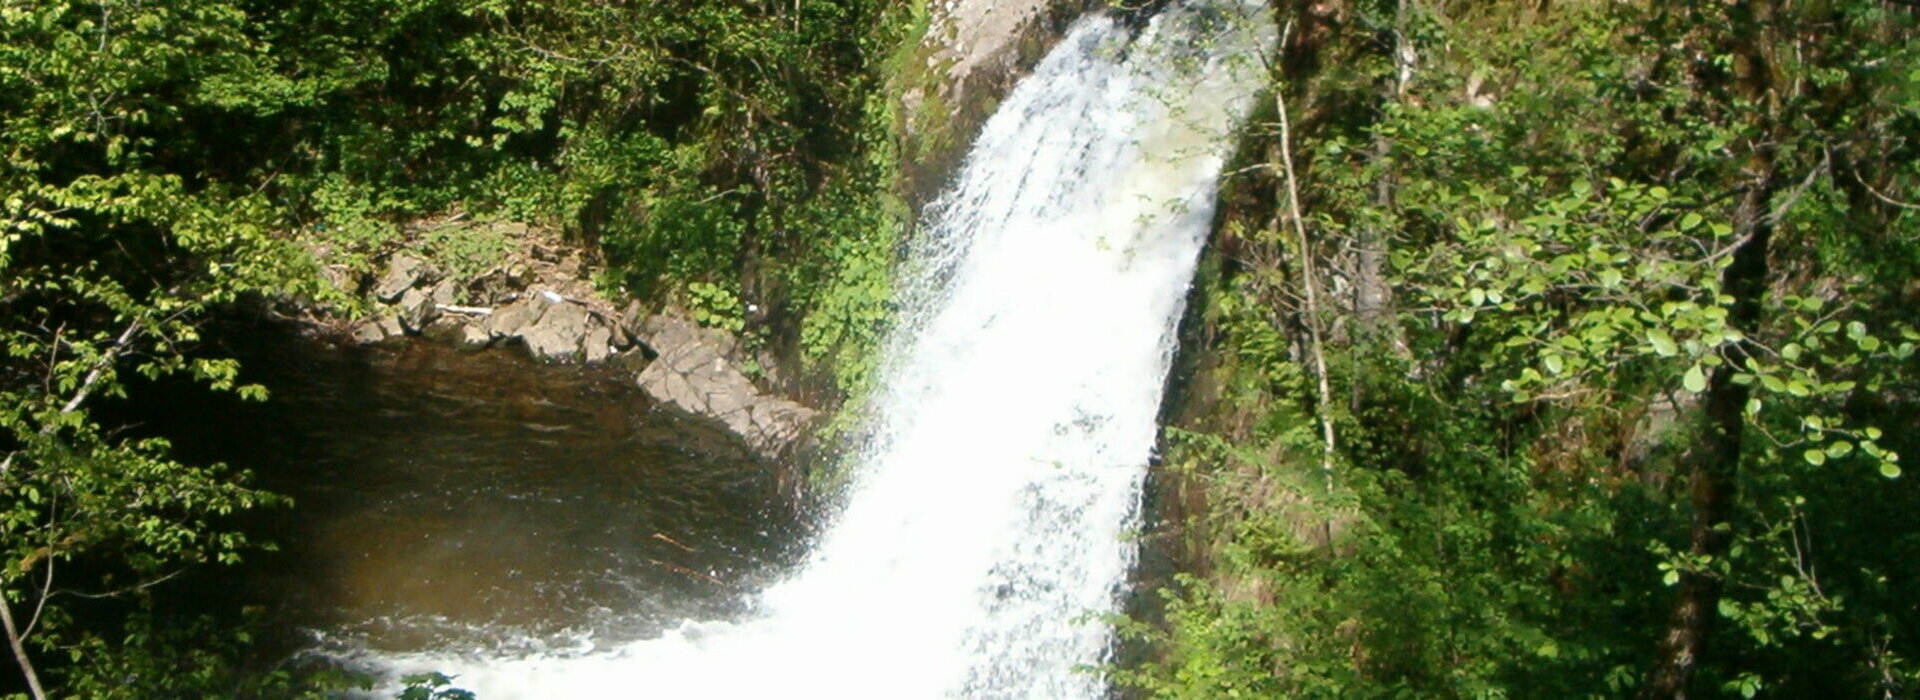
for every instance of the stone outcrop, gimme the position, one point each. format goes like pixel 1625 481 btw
pixel 404 272
pixel 973 52
pixel 561 334
pixel 414 298
pixel 692 370
pixel 539 300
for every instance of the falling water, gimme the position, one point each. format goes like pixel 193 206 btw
pixel 988 527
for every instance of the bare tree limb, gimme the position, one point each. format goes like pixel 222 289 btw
pixel 18 643
pixel 16 638
pixel 1308 282
pixel 1882 197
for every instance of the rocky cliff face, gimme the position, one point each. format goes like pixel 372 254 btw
pixel 972 53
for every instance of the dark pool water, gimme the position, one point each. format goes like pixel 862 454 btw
pixel 450 500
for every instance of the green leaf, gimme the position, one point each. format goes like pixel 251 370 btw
pixel 1890 470
pixel 1815 457
pixel 1696 380
pixel 1662 343
pixel 1690 221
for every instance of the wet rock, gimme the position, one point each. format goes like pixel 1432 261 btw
pixel 403 273
pixel 366 333
pixel 373 331
pixel 775 423
pixel 473 337
pixel 445 329
pixel 511 320
pixel 558 335
pixel 692 372
pixel 463 332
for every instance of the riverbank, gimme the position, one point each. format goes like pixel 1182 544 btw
pixel 474 285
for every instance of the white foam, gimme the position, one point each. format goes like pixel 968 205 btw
pixel 1016 418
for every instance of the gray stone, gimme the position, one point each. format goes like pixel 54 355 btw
pixel 623 325
pixel 661 333
pixel 559 333
pixel 692 372
pixel 391 327
pixel 403 272
pixel 367 333
pixel 445 329
pixel 775 423
pixel 472 337
pixel 415 309
pixel 634 360
pixel 510 320
pixel 599 344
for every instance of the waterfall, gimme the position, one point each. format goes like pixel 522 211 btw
pixel 988 526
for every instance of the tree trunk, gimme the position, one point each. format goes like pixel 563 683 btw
pixel 1715 467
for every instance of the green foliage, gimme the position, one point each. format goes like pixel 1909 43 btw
pixel 465 251
pixel 167 159
pixel 157 655
pixel 432 686
pixel 1557 208
pixel 716 306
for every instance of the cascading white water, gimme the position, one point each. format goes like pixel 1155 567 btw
pixel 987 529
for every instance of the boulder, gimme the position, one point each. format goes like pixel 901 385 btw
pixel 559 333
pixel 660 333
pixel 598 345
pixel 446 329
pixel 403 273
pixel 391 327
pixel 510 320
pixel 775 423
pixel 366 333
pixel 691 372
pixel 472 337
pixel 416 309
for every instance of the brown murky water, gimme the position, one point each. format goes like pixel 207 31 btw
pixel 451 500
